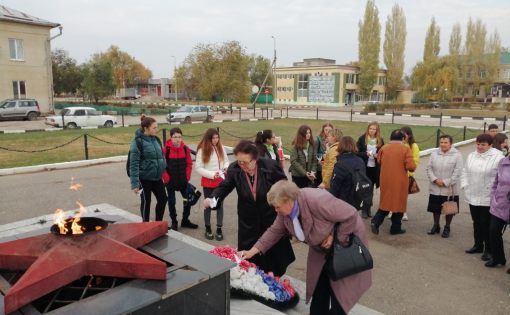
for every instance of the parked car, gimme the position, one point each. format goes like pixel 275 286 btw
pixel 189 113
pixel 19 108
pixel 80 117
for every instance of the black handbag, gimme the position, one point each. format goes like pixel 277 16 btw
pixel 346 261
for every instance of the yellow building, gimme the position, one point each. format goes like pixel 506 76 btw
pixel 319 81
pixel 25 57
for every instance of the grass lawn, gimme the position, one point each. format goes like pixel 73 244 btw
pixel 115 141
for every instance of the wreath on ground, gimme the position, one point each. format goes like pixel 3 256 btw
pixel 247 281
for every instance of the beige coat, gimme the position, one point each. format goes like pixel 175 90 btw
pixel 329 164
pixel 319 211
pixel 395 159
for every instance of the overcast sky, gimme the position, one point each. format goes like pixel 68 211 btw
pixel 154 31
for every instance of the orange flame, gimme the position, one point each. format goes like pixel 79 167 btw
pixel 74 186
pixel 61 221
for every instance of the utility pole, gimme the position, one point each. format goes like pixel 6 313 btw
pixel 175 80
pixel 275 89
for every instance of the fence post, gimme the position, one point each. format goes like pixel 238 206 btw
pixel 484 126
pixel 281 112
pixel 317 115
pixel 267 113
pixel 239 113
pixel 218 129
pixel 464 136
pixel 122 113
pixel 85 141
pixel 437 137
pixel 230 108
pixel 207 117
pixel 63 123
pixel 287 111
pixel 504 123
pixel 164 135
pixel 392 116
pixel 170 114
pixel 441 119
pixel 351 114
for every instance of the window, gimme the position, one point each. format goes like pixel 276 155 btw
pixel 16 49
pixel 505 74
pixel 18 89
pixel 80 112
pixel 93 112
pixel 303 85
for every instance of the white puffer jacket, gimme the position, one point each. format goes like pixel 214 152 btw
pixel 478 176
pixel 209 169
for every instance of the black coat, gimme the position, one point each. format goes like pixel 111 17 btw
pixel 256 216
pixel 341 181
pixel 362 153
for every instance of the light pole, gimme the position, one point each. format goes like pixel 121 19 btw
pixel 175 80
pixel 274 72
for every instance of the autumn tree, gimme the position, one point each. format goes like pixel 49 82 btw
pixel 369 41
pixel 126 70
pixel 432 39
pixel 216 72
pixel 98 79
pixel 393 48
pixel 258 69
pixel 67 76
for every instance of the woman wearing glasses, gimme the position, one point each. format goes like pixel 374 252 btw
pixel 252 177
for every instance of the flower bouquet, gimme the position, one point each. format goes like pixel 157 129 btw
pixel 249 282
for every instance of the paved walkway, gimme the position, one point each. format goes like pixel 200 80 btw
pixel 414 273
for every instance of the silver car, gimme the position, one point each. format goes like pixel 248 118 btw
pixel 189 113
pixel 19 108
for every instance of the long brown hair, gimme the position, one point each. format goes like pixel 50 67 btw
pixel 322 134
pixel 347 145
pixel 300 139
pixel 207 146
pixel 377 133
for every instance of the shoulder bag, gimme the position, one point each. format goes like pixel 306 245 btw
pixel 346 261
pixel 449 206
pixel 413 186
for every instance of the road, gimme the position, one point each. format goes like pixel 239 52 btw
pixel 414 273
pixel 292 113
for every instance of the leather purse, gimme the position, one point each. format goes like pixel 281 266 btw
pixel 346 261
pixel 413 186
pixel 449 207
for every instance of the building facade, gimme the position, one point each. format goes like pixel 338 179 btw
pixel 501 88
pixel 319 81
pixel 25 57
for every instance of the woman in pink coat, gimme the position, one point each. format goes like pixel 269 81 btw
pixel 310 215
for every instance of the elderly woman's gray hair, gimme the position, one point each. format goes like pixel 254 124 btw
pixel 282 191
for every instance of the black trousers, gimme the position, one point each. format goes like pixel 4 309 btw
pixel 301 181
pixel 481 222
pixel 323 296
pixel 186 208
pixel 158 189
pixel 396 219
pixel 496 229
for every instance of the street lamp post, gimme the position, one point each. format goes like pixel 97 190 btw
pixel 175 80
pixel 275 90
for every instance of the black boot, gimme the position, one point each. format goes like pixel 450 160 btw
pixel 474 250
pixel 219 234
pixel 174 225
pixel 208 232
pixel 187 223
pixel 446 232
pixel 486 256
pixel 435 229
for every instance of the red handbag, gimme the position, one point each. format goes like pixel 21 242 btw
pixel 210 183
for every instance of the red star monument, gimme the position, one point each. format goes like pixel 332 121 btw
pixel 52 261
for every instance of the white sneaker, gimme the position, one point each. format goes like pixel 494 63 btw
pixel 405 218
pixel 389 215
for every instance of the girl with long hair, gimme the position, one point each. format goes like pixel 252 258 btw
pixel 211 163
pixel 368 145
pixel 267 145
pixel 303 158
pixel 322 146
pixel 411 143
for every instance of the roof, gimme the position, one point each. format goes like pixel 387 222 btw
pixel 11 15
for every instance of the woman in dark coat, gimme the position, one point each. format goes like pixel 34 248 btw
pixel 347 160
pixel 252 178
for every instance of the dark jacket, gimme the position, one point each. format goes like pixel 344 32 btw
pixel 299 164
pixel 341 181
pixel 362 153
pixel 256 216
pixel 179 165
pixel 149 165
